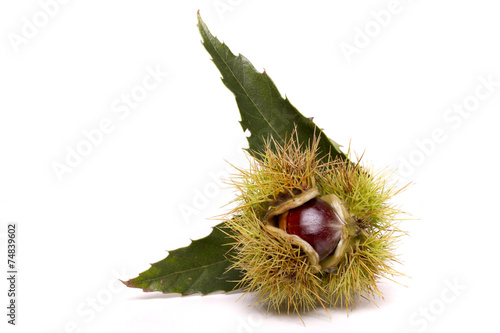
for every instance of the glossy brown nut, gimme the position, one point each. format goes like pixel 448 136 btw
pixel 317 223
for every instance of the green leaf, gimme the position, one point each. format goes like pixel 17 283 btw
pixel 200 267
pixel 203 266
pixel 263 110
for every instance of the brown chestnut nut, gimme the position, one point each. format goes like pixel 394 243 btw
pixel 317 223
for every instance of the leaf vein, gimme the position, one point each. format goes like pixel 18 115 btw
pixel 239 57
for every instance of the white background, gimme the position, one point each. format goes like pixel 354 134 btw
pixel 148 185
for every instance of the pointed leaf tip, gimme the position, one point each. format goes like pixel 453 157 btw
pixel 263 110
pixel 128 283
pixel 201 267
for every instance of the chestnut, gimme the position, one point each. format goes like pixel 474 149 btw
pixel 317 223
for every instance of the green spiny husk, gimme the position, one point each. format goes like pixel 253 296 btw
pixel 278 270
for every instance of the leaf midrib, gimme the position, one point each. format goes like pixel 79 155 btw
pixel 243 88
pixel 184 271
